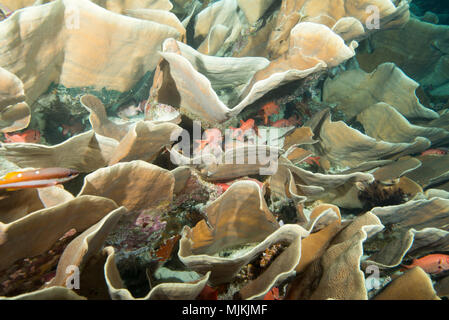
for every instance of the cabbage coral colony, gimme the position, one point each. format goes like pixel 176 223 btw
pixel 123 126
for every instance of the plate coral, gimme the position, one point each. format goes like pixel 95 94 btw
pixel 224 150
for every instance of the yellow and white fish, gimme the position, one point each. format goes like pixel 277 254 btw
pixel 36 178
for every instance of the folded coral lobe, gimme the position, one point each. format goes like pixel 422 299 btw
pixel 36 178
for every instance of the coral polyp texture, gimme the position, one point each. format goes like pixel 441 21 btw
pixel 224 150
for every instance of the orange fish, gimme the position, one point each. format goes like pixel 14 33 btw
pixel 433 263
pixel 29 136
pixel 434 152
pixel 313 160
pixel 36 178
pixel 273 294
pixel 225 185
pixel 213 137
pixel 245 126
pixel 165 250
pixel 269 109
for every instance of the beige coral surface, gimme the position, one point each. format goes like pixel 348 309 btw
pixel 320 172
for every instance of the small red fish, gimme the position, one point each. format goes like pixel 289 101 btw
pixel 434 152
pixel 273 294
pixel 245 126
pixel 165 250
pixel 269 109
pixel 29 136
pixel 225 185
pixel 213 137
pixel 36 178
pixel 313 160
pixel 432 263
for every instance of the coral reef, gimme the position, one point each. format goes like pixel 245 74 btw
pixel 230 149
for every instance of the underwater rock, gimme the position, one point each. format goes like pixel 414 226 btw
pixel 165 274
